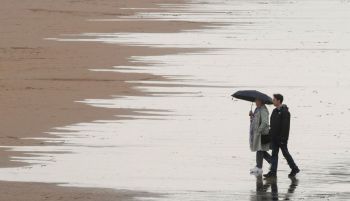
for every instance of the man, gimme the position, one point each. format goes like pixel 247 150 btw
pixel 279 131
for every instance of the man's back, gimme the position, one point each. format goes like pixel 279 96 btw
pixel 280 124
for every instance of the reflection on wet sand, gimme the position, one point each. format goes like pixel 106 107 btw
pixel 267 189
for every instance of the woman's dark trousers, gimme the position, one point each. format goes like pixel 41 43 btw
pixel 260 156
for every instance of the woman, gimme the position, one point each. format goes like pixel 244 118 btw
pixel 259 125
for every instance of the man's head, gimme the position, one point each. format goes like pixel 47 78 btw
pixel 277 100
pixel 259 102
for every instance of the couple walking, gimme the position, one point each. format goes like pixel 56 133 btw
pixel 274 136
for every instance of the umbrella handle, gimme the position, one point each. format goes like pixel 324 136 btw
pixel 251 107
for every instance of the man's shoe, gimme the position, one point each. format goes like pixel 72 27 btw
pixel 294 172
pixel 270 175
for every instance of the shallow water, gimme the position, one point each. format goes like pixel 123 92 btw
pixel 194 144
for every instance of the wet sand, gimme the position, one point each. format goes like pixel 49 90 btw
pixel 41 80
pixel 22 191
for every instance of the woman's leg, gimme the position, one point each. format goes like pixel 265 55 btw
pixel 260 155
pixel 259 159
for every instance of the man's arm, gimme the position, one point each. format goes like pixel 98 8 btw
pixel 285 125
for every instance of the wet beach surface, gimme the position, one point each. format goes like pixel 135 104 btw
pixel 192 143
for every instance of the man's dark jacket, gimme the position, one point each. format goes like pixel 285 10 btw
pixel 279 124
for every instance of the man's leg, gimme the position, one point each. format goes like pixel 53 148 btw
pixel 288 157
pixel 267 156
pixel 274 157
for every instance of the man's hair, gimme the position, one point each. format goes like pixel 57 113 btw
pixel 278 97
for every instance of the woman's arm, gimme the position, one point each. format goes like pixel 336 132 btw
pixel 264 121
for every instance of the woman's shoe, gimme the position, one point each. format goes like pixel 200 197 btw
pixel 256 170
pixel 259 171
pixel 253 170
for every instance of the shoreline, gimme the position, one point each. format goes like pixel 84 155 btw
pixel 41 80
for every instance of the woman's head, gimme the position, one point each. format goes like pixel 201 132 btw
pixel 259 102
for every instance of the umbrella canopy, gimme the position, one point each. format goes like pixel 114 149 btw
pixel 252 95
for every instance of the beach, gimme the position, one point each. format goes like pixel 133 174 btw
pixel 132 99
pixel 42 79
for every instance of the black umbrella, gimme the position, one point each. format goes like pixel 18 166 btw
pixel 252 95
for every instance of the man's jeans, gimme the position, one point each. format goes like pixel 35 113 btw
pixel 274 158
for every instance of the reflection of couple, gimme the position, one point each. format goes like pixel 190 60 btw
pixel 264 137
pixel 263 188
